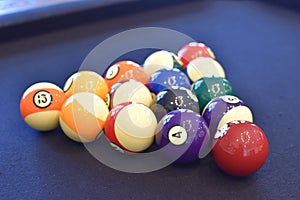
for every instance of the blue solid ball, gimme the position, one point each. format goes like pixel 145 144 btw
pixel 166 78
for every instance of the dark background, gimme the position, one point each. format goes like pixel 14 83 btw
pixel 257 42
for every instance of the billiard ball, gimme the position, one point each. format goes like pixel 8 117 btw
pixel 192 51
pixel 86 81
pixel 181 135
pixel 82 117
pixel 131 127
pixel 165 78
pixel 224 109
pixel 208 88
pixel 241 148
pixel 123 71
pixel 174 98
pixel 131 90
pixel 204 67
pixel 109 126
pixel 161 60
pixel 40 105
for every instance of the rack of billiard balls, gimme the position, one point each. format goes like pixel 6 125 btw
pixel 181 100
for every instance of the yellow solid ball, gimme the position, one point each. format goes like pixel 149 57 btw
pixel 86 81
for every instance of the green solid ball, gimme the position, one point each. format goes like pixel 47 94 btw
pixel 177 63
pixel 208 88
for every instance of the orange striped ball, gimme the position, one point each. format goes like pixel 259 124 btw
pixel 40 105
pixel 83 117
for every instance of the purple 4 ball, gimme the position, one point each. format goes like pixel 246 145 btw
pixel 182 135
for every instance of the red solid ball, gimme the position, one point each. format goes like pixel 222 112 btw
pixel 241 149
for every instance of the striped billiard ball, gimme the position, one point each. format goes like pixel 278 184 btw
pixel 161 60
pixel 40 105
pixel 83 116
pixel 224 109
pixel 130 127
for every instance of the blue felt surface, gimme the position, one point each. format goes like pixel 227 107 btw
pixel 14 12
pixel 256 42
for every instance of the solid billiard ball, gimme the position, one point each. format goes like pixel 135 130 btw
pixel 131 127
pixel 192 51
pixel 165 78
pixel 40 105
pixel 131 90
pixel 86 81
pixel 241 148
pixel 224 109
pixel 204 67
pixel 181 135
pixel 82 116
pixel 161 60
pixel 174 98
pixel 123 71
pixel 208 88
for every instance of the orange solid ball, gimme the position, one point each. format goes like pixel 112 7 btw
pixel 40 105
pixel 86 81
pixel 123 71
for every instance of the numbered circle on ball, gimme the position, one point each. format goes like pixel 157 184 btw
pixel 177 135
pixel 230 99
pixel 42 99
pixel 112 72
pixel 107 100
